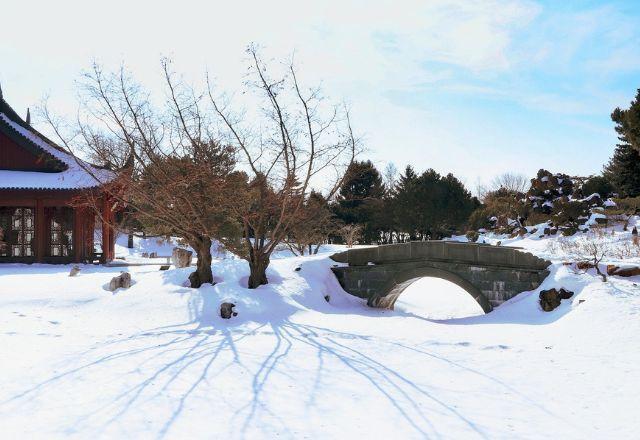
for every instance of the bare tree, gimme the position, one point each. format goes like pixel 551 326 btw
pixel 592 247
pixel 294 141
pixel 511 183
pixel 390 176
pixel 517 183
pixel 172 174
pixel 350 234
pixel 316 224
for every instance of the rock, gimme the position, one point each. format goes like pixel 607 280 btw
pixel 122 281
pixel 153 255
pixel 634 231
pixel 584 265
pixel 75 270
pixel 145 255
pixel 327 298
pixel 227 310
pixel 553 231
pixel 181 257
pixel 623 271
pixel 194 280
pixel 550 299
pixel 165 267
pixel 297 269
pixel 564 293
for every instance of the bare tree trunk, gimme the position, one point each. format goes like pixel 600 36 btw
pixel 258 264
pixel 597 267
pixel 203 273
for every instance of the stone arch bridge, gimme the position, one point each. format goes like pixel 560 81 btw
pixel 490 274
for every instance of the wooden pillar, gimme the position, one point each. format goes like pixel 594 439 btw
pixel 41 231
pixel 105 229
pixel 78 238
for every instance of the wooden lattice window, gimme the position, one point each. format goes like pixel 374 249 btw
pixel 60 232
pixel 17 232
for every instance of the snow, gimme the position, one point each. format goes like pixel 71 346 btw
pixel 78 175
pixel 156 360
pixel 590 198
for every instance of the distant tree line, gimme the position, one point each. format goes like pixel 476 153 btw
pixel 411 206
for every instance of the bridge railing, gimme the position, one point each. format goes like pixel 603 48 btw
pixel 470 253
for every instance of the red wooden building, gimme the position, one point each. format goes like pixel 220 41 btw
pixel 38 181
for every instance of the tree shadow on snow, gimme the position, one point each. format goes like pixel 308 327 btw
pixel 183 360
pixel 180 362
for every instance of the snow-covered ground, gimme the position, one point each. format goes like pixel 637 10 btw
pixel 156 360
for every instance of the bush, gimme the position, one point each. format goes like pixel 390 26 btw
pixel 479 219
pixel 569 213
pixel 597 184
pixel 472 236
pixel 535 218
pixel 629 206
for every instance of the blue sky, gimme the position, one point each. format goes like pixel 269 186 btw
pixel 472 87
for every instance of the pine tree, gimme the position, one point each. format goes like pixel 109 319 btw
pixel 623 170
pixel 404 204
pixel 628 123
pixel 360 200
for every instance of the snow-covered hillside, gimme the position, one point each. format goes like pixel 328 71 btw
pixel 156 360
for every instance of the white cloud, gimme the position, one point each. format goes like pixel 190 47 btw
pixel 359 49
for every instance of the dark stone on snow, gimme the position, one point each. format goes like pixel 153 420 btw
pixel 227 310
pixel 194 280
pixel 550 299
pixel 165 267
pixel 297 269
pixel 623 271
pixel 634 231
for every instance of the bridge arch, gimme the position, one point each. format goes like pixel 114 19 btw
pixel 403 279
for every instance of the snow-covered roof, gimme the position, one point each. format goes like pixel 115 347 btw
pixel 73 173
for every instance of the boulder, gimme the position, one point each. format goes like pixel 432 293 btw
pixel 634 231
pixel 227 310
pixel 623 271
pixel 121 281
pixel 181 257
pixel 194 280
pixel 550 299
pixel 584 265
pixel 75 270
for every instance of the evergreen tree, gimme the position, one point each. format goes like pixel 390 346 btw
pixel 431 206
pixel 628 123
pixel 360 200
pixel 623 170
pixel 404 205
